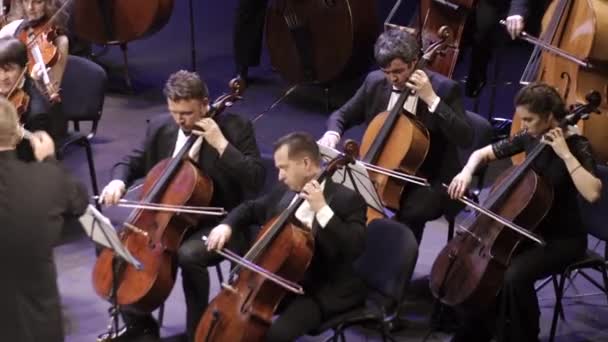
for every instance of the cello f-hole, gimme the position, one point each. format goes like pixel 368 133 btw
pixel 566 76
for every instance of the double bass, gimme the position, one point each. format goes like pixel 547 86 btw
pixel 469 271
pixel 572 56
pixel 320 40
pixel 116 21
pixel 153 236
pixel 243 310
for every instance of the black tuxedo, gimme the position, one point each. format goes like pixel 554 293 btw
pixel 36 199
pixel 330 282
pixel 247 34
pixel 448 127
pixel 237 174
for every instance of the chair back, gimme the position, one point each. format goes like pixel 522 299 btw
pixel 594 214
pixel 82 89
pixel 388 261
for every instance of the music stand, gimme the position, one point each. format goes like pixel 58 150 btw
pixel 100 230
pixel 355 177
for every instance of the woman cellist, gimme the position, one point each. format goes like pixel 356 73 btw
pixel 436 104
pixel 331 223
pixel 40 23
pixel 227 153
pixel 569 168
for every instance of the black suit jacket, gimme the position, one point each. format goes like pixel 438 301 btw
pixel 330 277
pixel 35 199
pixel 237 174
pixel 448 125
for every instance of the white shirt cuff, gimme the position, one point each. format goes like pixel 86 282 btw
pixel 333 133
pixel 433 106
pixel 324 215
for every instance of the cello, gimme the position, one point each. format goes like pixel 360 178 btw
pixel 243 310
pixel 320 40
pixel 469 271
pixel 572 56
pixel 153 236
pixel 397 140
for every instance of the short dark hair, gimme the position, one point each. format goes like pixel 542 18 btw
pixel 541 99
pixel 12 51
pixel 395 43
pixel 299 144
pixel 185 85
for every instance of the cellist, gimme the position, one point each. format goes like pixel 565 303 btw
pixel 335 214
pixel 570 168
pixel 438 104
pixel 227 152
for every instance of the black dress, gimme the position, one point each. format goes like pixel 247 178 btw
pixel 517 311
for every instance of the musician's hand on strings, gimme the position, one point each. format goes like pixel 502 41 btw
pixel 329 139
pixel 459 185
pixel 43 145
pixel 515 25
pixel 419 81
pixel 218 237
pixel 555 139
pixel 212 133
pixel 113 192
pixel 313 193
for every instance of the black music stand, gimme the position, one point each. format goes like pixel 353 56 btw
pixel 355 177
pixel 100 230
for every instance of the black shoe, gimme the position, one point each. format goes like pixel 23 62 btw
pixel 242 72
pixel 130 332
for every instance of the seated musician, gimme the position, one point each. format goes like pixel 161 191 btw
pixel 30 15
pixel 570 168
pixel 227 152
pixel 336 216
pixel 437 103
pixel 36 114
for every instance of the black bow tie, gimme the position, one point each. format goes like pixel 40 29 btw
pixel 396 91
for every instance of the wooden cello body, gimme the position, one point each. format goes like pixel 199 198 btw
pixel 153 237
pixel 469 270
pixel 319 40
pixel 111 21
pixel 579 27
pixel 244 311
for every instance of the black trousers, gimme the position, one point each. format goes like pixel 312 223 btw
pixel 248 32
pixel 516 313
pixel 193 259
pixel 419 205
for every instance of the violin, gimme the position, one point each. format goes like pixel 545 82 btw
pixel 18 97
pixel 154 230
pixel 469 270
pixel 243 310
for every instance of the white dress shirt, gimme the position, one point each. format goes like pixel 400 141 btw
pixel 411 103
pixel 307 216
pixel 181 141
